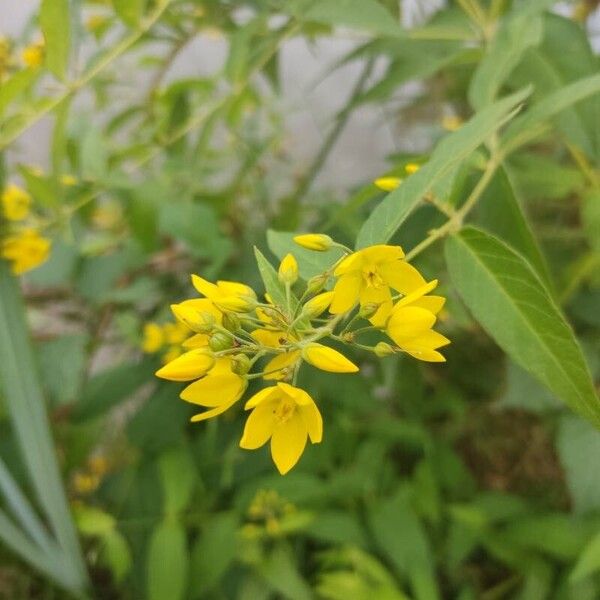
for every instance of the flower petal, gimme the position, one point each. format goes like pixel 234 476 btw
pixel 408 322
pixel 213 412
pixel 206 288
pixel 259 427
pixel 401 276
pixel 345 293
pixel 313 420
pixel 277 367
pixel 261 396
pixel 215 390
pixel 327 359
pixel 288 443
pixel 191 365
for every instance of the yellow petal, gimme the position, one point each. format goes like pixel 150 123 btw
pixel 411 168
pixel 381 296
pixel 234 288
pixel 352 262
pixel 327 359
pixel 408 322
pixel 300 397
pixel 264 395
pixel 382 253
pixel 314 422
pixel 401 276
pixel 277 367
pixel 259 427
pixel 314 241
pixel 388 184
pixel 153 338
pixel 240 304
pixel 426 355
pixel 430 339
pixel 198 340
pixel 288 442
pixel 345 293
pixel 418 293
pixel 269 337
pixel 191 365
pixel 214 390
pixel 213 412
pixel 206 288
pixel 433 304
pixel 288 270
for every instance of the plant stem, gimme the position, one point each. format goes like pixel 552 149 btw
pixel 455 222
pixel 73 87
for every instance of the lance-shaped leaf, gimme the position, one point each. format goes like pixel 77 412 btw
pixel 385 220
pixel 511 303
pixel 55 24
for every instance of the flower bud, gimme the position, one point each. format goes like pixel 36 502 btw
pixel 411 168
pixel 316 283
pixel 231 322
pixel 288 270
pixel 327 359
pixel 241 304
pixel 240 364
pixel 388 184
pixel 198 321
pixel 190 365
pixel 383 349
pixel 314 241
pixel 368 310
pixel 317 305
pixel 220 341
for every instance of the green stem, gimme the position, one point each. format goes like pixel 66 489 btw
pixel 102 64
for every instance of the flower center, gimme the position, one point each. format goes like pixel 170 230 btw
pixel 372 278
pixel 284 410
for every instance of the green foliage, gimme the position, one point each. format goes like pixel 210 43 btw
pixel 475 478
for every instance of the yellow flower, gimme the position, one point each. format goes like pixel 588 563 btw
pixel 366 276
pixel 95 22
pixel 451 122
pixel 26 250
pixel 16 203
pixel 327 359
pixel 287 416
pixel 33 55
pixel 217 391
pixel 98 465
pixel 314 241
pixel 388 184
pixel 411 321
pixel 411 168
pixel 236 304
pixel 317 305
pixel 68 180
pixel 175 333
pixel 84 483
pixel 224 293
pixel 288 270
pixel 153 338
pixel 188 366
pixel 280 365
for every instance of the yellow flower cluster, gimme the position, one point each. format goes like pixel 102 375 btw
pixel 236 338
pixel 22 245
pixel 33 55
pixel 167 338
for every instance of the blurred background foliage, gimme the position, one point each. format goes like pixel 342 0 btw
pixel 467 480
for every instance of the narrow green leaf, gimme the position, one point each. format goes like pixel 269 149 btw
pixel 25 404
pixel 129 11
pixel 281 572
pixel 515 34
pixel 55 23
pixel 178 474
pixel 168 562
pixel 589 561
pixel 500 212
pixel 513 306
pixel 551 105
pixel 18 83
pixel 384 221
pixel 310 263
pixel 366 15
pixel 270 279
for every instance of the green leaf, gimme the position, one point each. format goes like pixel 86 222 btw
pixel 551 105
pixel 589 561
pixel 384 221
pixel 214 551
pixel 401 537
pixel 310 263
pixel 590 215
pixel 129 11
pixel 515 34
pixel 168 562
pixel 178 475
pixel 24 401
pixel 513 306
pixel 280 571
pixel 500 212
pixel 17 84
pixel 115 552
pixel 268 274
pixel 55 22
pixel 366 15
pixel 578 445
pixel 108 388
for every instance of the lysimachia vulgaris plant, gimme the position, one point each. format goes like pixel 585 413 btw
pixel 236 337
